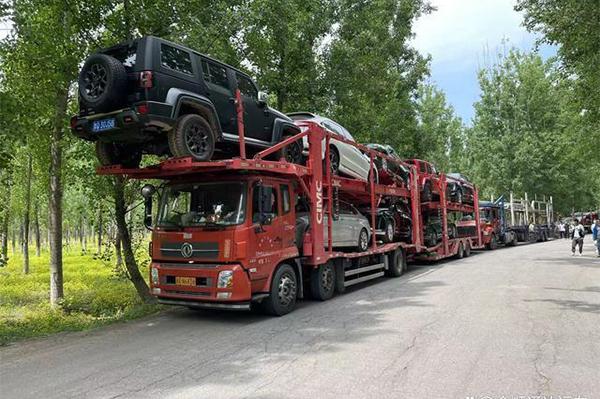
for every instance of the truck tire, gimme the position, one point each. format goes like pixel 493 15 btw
pixel 461 251
pixel 493 244
pixel 193 137
pixel 396 263
pixel 283 293
pixel 426 194
pixel 322 282
pixel 363 240
pixel 467 251
pixel 291 152
pixel 117 154
pixel 102 83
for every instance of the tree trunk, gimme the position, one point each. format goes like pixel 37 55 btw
pixel 56 195
pixel 99 231
pixel 4 231
pixel 130 263
pixel 27 215
pixel 36 227
pixel 118 251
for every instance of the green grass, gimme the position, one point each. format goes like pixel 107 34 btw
pixel 94 296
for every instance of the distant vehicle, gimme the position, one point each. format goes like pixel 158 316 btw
pixel 428 179
pixel 152 96
pixel 344 158
pixel 390 172
pixel 350 229
pixel 459 188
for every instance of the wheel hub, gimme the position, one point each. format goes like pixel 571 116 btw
pixel 286 290
pixel 95 80
pixel 197 140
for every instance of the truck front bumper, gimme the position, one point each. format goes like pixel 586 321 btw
pixel 197 285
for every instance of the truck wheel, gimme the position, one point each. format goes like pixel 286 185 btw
pixel 102 83
pixel 493 243
pixel 117 154
pixel 467 251
pixel 363 240
pixel 322 282
pixel 193 137
pixel 426 194
pixel 284 290
pixel 291 152
pixel 397 263
pixel 388 231
pixel 461 251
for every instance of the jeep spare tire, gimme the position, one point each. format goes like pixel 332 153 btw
pixel 102 83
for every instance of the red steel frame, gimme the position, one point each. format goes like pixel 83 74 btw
pixel 319 188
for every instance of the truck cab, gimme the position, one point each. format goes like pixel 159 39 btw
pixel 219 241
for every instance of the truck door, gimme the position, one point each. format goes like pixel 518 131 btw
pixel 288 218
pixel 268 236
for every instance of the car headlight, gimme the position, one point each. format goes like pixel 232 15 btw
pixel 225 279
pixel 154 275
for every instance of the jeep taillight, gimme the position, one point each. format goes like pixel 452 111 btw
pixel 146 79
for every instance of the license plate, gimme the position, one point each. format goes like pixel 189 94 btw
pixel 103 124
pixel 185 280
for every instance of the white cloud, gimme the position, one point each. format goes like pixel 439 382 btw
pixel 460 32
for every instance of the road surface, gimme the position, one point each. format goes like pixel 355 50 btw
pixel 516 321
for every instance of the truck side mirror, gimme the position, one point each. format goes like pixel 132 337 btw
pixel 147 192
pixel 263 98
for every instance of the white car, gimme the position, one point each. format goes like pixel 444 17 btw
pixel 344 158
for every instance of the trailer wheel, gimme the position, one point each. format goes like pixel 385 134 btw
pixel 467 251
pixel 284 290
pixel 397 263
pixel 322 282
pixel 363 240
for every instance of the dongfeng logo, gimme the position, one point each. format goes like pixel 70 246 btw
pixel 187 250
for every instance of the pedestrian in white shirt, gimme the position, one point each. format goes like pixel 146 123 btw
pixel 561 229
pixel 577 237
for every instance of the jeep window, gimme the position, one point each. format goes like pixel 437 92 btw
pixel 214 73
pixel 246 86
pixel 125 53
pixel 176 59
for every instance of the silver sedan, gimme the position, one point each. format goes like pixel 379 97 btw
pixel 350 230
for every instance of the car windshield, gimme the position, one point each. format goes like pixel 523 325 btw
pixel 203 204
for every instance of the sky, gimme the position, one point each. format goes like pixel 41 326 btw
pixel 465 35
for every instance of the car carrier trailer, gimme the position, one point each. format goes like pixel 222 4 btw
pixel 255 258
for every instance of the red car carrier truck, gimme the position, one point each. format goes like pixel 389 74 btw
pixel 236 233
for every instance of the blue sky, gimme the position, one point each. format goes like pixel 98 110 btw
pixel 464 35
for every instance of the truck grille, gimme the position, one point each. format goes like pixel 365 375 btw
pixel 207 250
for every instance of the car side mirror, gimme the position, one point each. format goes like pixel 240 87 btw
pixel 263 98
pixel 147 192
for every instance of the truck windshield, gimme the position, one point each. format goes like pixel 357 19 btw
pixel 203 204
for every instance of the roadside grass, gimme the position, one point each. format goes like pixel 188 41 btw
pixel 94 295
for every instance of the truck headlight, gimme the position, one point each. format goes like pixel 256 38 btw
pixel 154 275
pixel 225 279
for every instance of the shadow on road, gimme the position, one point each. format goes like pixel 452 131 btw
pixel 567 304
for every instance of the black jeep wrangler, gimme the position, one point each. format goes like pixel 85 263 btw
pixel 156 97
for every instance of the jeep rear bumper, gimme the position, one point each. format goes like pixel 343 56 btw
pixel 128 122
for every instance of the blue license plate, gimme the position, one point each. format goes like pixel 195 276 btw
pixel 103 124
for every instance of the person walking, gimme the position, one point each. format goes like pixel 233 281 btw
pixel 596 235
pixel 561 229
pixel 577 235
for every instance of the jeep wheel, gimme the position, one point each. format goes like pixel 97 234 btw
pixel 192 137
pixel 102 83
pixel 117 154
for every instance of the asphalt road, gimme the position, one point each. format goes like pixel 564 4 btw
pixel 516 321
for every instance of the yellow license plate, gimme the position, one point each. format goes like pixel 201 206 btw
pixel 185 280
